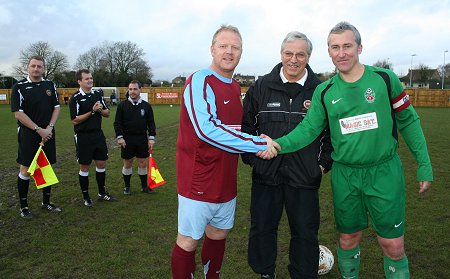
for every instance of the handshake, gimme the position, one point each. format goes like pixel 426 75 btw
pixel 272 148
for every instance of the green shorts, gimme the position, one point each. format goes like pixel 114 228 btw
pixel 377 191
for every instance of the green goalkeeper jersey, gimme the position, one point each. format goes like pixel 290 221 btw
pixel 363 121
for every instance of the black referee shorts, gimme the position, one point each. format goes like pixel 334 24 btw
pixel 91 146
pixel 28 145
pixel 135 146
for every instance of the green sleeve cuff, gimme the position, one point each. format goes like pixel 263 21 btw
pixel 425 173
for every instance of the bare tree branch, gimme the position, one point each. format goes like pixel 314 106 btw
pixel 116 63
pixel 55 61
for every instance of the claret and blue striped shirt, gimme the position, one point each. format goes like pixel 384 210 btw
pixel 209 138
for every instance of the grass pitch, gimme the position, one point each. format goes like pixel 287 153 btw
pixel 133 238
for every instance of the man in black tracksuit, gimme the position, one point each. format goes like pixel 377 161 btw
pixel 274 105
pixel 135 132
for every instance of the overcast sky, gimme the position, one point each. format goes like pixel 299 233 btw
pixel 176 34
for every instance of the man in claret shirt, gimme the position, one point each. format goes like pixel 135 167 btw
pixel 208 146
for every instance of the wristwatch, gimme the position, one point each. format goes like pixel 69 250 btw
pixel 51 125
pixel 37 128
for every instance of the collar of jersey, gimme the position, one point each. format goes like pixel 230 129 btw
pixel 29 80
pixel 84 93
pixel 132 102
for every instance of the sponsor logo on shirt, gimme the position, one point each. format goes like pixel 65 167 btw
pixel 49 93
pixel 142 112
pixel 273 105
pixel 335 101
pixel 398 225
pixel 358 123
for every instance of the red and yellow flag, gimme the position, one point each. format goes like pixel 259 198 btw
pixel 155 178
pixel 41 170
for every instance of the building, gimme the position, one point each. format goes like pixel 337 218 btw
pixel 178 81
pixel 422 78
pixel 244 80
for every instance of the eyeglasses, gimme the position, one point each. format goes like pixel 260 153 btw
pixel 300 56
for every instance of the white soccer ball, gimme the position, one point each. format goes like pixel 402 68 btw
pixel 326 260
pixel 171 105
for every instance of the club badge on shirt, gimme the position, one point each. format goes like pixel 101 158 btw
pixel 369 95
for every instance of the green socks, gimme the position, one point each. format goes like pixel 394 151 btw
pixel 349 261
pixel 396 269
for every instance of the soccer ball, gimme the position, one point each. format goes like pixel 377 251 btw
pixel 326 260
pixel 171 105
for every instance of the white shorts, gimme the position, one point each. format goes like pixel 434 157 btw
pixel 194 216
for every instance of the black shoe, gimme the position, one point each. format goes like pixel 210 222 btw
pixel 268 276
pixel 126 191
pixel 88 202
pixel 25 213
pixel 147 190
pixel 106 197
pixel 51 207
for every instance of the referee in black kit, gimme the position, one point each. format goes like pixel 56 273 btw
pixel 87 108
pixel 35 104
pixel 135 131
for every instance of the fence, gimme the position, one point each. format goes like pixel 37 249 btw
pixel 172 95
pixel 429 97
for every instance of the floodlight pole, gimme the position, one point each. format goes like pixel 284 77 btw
pixel 410 72
pixel 443 71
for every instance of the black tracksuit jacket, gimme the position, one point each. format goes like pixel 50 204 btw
pixel 269 109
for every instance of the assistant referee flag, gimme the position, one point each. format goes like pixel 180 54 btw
pixel 155 178
pixel 41 170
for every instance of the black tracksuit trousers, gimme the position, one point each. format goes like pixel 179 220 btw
pixel 302 209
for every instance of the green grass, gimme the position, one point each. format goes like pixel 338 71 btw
pixel 133 238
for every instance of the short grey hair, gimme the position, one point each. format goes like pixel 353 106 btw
pixel 295 35
pixel 343 26
pixel 225 27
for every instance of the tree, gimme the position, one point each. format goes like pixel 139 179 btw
pixel 424 73
pixel 94 61
pixel 384 64
pixel 141 71
pixel 327 75
pixel 90 60
pixel 444 70
pixel 115 63
pixel 6 82
pixel 65 79
pixel 55 61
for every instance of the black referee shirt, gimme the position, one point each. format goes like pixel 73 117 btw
pixel 134 119
pixel 36 99
pixel 81 103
